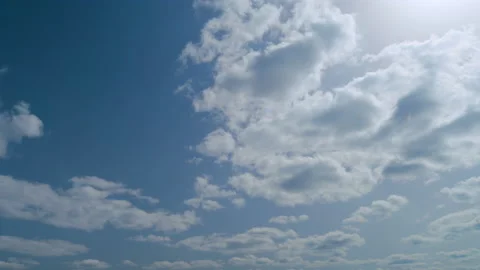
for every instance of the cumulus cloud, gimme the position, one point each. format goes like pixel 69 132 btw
pixel 288 219
pixel 90 264
pixel 151 238
pixel 413 115
pixel 217 144
pixel 380 209
pixel 448 227
pixel 467 191
pixel 206 191
pixel 17 124
pixel 88 205
pixel 40 248
pixel 282 243
pixel 14 263
pixel 198 264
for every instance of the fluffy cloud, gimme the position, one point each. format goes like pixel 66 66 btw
pixel 14 263
pixel 151 238
pixel 448 227
pixel 467 191
pixel 206 191
pixel 17 124
pixel 288 219
pixel 282 243
pixel 40 248
pixel 90 264
pixel 88 205
pixel 380 208
pixel 217 144
pixel 198 264
pixel 412 116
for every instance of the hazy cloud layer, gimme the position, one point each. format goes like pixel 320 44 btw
pixel 40 248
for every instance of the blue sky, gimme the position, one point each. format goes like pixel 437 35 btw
pixel 266 134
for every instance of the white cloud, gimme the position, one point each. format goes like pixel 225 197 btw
pixel 195 160
pixel 129 263
pixel 448 227
pixel 211 205
pixel 14 263
pixel 288 219
pixel 40 248
pixel 110 188
pixel 17 124
pixel 251 260
pixel 411 117
pixel 88 205
pixel 238 202
pixel 11 265
pixel 198 264
pixel 217 144
pixel 332 244
pixel 467 191
pixel 151 238
pixel 282 243
pixel 381 209
pixel 90 264
pixel 205 191
pixel 207 205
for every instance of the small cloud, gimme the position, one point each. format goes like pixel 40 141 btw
pixel 90 264
pixel 129 263
pixel 195 160
pixel 380 208
pixel 151 238
pixel 186 89
pixel 238 202
pixel 288 219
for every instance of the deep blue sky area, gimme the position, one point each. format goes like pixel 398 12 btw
pixel 309 134
pixel 101 76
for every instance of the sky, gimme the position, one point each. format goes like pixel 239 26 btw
pixel 240 134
